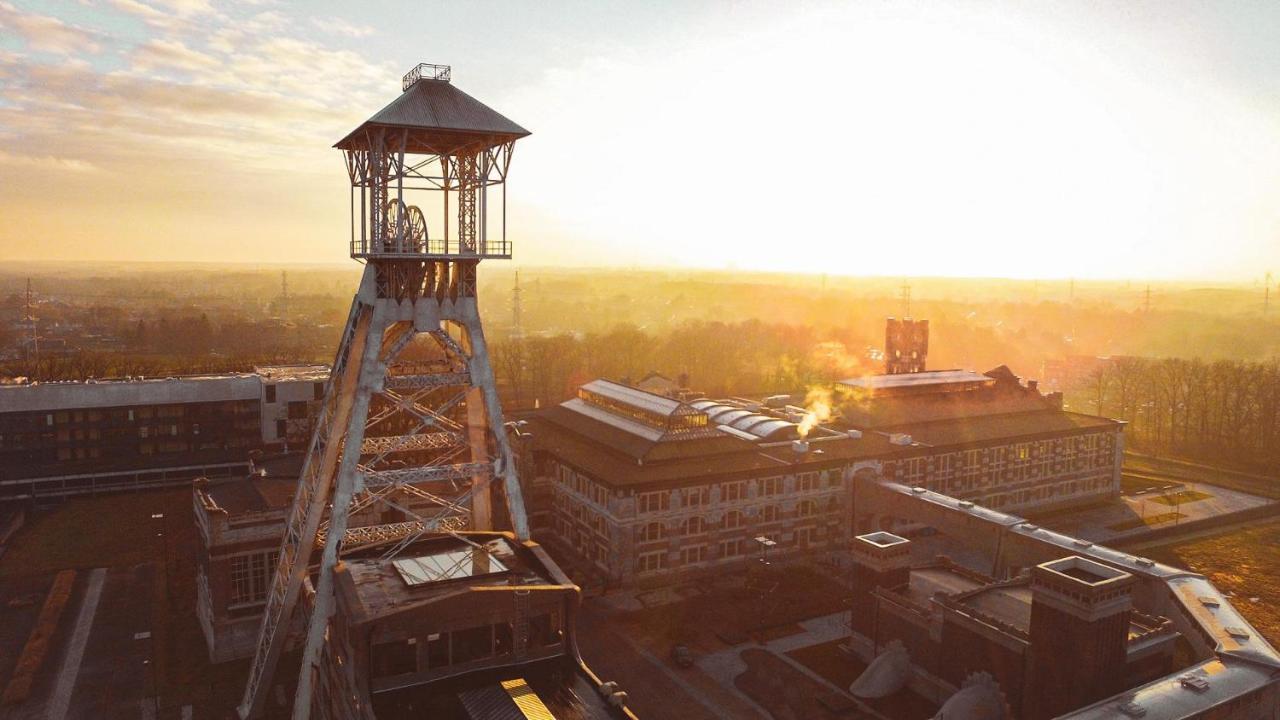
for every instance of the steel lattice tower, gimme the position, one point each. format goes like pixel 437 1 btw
pixel 410 409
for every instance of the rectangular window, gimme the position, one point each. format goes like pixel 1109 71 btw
pixel 271 393
pixel 655 501
pixel 317 391
pixel 251 577
pixel 282 428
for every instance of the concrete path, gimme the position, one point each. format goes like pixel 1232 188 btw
pixel 61 697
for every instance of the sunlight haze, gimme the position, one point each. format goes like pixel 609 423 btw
pixel 1061 140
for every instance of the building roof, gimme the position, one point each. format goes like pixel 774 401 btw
pixel 252 494
pixel 45 396
pixel 293 373
pixel 980 429
pixel 373 587
pixel 451 117
pixel 619 459
pixel 927 381
pixel 1183 695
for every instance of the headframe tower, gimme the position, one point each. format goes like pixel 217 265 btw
pixel 411 407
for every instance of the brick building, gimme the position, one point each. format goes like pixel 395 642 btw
pixel 643 488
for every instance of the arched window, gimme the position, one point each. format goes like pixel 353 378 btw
pixel 693 526
pixel 733 519
pixel 651 532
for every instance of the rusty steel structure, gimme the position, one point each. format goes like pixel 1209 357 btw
pixel 411 408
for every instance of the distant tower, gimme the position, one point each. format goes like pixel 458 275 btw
pixel 284 294
pixel 32 349
pixel 1266 294
pixel 411 405
pixel 1146 301
pixel 1079 635
pixel 517 321
pixel 906 345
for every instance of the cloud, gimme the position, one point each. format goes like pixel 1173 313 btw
pixel 338 26
pixel 163 54
pixel 43 33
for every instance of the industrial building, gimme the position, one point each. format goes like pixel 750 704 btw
pixel 987 437
pixel 68 438
pixel 643 488
pixel 1036 624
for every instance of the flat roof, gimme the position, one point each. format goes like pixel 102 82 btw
pixel 299 373
pixel 620 459
pixel 929 378
pixel 69 395
pixel 980 429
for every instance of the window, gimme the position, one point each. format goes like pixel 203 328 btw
pixel 693 526
pixel 651 532
pixel 648 562
pixel 692 555
pixel 654 501
pixel 473 644
pixel 770 486
pixel 730 548
pixel 271 393
pixel 807 508
pixel 282 428
pixel 696 497
pixel 395 658
pixel 317 390
pixel 251 576
pixel 807 481
pixel 733 519
pixel 733 491
pixel 768 513
pixel 438 650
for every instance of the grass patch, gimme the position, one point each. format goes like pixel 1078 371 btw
pixel 100 531
pixel 1243 562
pixel 1182 497
pixel 1149 520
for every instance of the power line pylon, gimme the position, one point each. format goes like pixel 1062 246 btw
pixel 33 337
pixel 284 295
pixel 411 407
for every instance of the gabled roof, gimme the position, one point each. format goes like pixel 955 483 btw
pixel 436 106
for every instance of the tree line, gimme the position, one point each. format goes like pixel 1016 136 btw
pixel 1222 411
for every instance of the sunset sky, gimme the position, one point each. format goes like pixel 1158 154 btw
pixel 1073 139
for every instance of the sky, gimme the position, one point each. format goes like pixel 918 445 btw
pixel 1083 139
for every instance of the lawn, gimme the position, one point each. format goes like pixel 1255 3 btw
pixel 1244 562
pixel 1149 520
pixel 102 531
pixel 1182 497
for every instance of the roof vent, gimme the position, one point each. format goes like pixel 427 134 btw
pixel 900 438
pixel 1144 562
pixel 1209 601
pixel 1132 709
pixel 1082 543
pixel 854 434
pixel 799 446
pixel 425 71
pixel 1030 526
pixel 918 490
pixel 1194 682
pixel 1237 632
pixel 966 504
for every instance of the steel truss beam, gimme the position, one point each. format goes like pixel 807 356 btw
pixel 441 439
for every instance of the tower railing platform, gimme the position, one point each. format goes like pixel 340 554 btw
pixel 435 249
